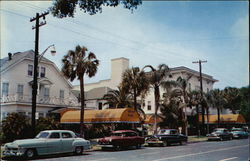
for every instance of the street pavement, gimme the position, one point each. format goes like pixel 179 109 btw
pixel 233 150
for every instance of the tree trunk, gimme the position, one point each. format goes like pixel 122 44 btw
pixel 135 102
pixel 185 113
pixel 198 123
pixel 218 115
pixel 207 120
pixel 157 99
pixel 82 105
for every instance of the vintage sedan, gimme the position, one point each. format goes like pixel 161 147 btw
pixel 47 142
pixel 120 139
pixel 220 134
pixel 239 133
pixel 166 137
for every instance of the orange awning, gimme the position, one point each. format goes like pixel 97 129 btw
pixel 224 118
pixel 120 115
pixel 150 119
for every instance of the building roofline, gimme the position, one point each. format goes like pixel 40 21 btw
pixel 120 58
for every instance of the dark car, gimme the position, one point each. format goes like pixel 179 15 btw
pixel 122 138
pixel 220 134
pixel 166 137
pixel 239 133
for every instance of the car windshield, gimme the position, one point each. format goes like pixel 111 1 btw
pixel 218 130
pixel 163 131
pixel 42 135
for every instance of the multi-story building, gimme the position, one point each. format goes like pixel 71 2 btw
pixel 119 65
pixel 54 91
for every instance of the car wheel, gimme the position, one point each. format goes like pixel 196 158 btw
pixel 117 147
pixel 165 143
pixel 230 138
pixel 221 139
pixel 30 153
pixel 78 150
pixel 138 146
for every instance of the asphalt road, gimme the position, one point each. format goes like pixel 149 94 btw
pixel 234 150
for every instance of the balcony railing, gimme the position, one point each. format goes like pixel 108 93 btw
pixel 15 98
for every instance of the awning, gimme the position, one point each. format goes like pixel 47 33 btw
pixel 150 119
pixel 224 118
pixel 120 115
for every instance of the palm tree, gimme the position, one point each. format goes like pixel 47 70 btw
pixel 75 65
pixel 156 77
pixel 172 110
pixel 118 98
pixel 195 100
pixel 182 84
pixel 232 95
pixel 216 100
pixel 135 81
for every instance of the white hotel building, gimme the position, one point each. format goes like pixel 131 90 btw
pixel 119 65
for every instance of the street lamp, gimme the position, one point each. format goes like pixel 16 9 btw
pixel 37 59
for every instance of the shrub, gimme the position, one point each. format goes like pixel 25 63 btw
pixel 15 126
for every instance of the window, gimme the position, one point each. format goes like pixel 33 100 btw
pixel 61 95
pixel 189 86
pixel 20 90
pixel 30 70
pixel 42 72
pixel 5 89
pixel 54 135
pixel 149 105
pixel 46 92
pixel 66 135
pixel 100 106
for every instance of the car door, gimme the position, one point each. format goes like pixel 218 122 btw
pixel 132 139
pixel 54 143
pixel 67 142
pixel 174 136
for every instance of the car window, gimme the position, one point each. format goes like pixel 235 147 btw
pixel 117 134
pixel 130 134
pixel 164 132
pixel 42 135
pixel 54 135
pixel 173 132
pixel 66 135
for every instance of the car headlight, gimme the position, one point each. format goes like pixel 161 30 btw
pixel 160 138
pixel 110 140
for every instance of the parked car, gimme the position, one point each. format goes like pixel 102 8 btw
pixel 121 138
pixel 220 134
pixel 47 142
pixel 166 137
pixel 239 133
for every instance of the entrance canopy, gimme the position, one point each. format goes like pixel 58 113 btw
pixel 121 115
pixel 150 119
pixel 225 118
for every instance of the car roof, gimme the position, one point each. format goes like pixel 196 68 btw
pixel 58 131
pixel 168 129
pixel 121 131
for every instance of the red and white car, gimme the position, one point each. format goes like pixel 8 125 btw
pixel 122 138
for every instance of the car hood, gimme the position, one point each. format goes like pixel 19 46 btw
pixel 237 132
pixel 25 142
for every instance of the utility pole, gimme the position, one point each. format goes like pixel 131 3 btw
pixel 34 84
pixel 201 90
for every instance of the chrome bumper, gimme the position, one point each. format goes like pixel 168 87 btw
pixel 9 153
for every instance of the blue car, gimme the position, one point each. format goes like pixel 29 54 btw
pixel 239 133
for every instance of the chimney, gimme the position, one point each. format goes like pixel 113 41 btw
pixel 10 56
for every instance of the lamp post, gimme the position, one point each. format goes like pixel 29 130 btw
pixel 37 59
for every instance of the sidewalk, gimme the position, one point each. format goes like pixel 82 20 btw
pixel 195 139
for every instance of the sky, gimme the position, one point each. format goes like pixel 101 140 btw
pixel 172 32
